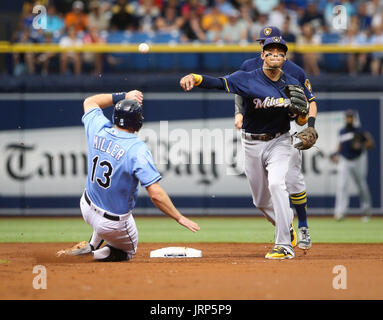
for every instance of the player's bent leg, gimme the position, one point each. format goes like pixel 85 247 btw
pixel 269 214
pixel 110 254
pixel 341 196
pixel 299 201
pixel 296 187
pixel 121 235
pixel 256 174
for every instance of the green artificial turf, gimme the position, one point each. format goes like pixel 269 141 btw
pixel 213 229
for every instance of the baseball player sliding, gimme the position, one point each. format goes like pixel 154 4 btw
pixel 270 97
pixel 294 180
pixel 117 162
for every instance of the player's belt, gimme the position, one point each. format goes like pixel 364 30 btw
pixel 260 136
pixel 105 215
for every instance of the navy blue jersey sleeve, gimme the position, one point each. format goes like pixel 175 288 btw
pixel 237 82
pixel 298 73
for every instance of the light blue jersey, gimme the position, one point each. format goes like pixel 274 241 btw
pixel 117 161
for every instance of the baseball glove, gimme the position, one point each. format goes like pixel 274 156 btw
pixel 357 142
pixel 298 101
pixel 308 138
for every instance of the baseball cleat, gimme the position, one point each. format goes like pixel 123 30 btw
pixel 304 238
pixel 294 238
pixel 279 253
pixel 80 248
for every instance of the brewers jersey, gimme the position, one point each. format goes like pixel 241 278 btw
pixel 288 67
pixel 264 100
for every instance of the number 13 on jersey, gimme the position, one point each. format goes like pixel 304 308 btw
pixel 107 170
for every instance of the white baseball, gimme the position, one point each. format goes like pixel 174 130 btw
pixel 143 47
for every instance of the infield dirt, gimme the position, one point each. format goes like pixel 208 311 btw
pixel 227 271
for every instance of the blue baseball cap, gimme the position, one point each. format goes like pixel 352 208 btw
pixel 268 32
pixel 275 40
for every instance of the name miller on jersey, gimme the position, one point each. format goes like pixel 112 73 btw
pixel 109 147
pixel 271 102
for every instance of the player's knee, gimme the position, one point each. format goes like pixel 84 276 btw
pixel 276 186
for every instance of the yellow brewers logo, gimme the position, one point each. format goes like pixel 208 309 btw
pixel 267 31
pixel 308 85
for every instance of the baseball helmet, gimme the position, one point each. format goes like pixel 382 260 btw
pixel 269 32
pixel 127 114
pixel 275 40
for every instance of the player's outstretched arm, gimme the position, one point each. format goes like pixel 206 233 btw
pixel 162 201
pixel 105 100
pixel 192 80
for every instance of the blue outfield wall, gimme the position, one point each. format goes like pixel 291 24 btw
pixel 43 152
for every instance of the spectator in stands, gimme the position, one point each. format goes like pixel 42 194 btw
pixel 277 16
pixel 55 24
pixel 98 17
pixel 192 6
pixel 175 4
pixel 235 30
pixel 45 58
pixel 77 18
pixel 364 18
pixel 257 26
pixel 374 6
pixel 265 6
pixel 350 7
pixel 248 14
pixel 356 62
pixel 147 13
pixel 377 19
pixel 313 16
pixel 310 60
pixel 26 22
pixel 213 23
pixel 377 57
pixel 23 62
pixel 95 59
pixel 191 28
pixel 224 6
pixel 169 21
pixel 287 35
pixel 123 17
pixel 69 40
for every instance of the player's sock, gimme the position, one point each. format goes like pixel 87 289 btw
pixel 299 200
pixel 95 241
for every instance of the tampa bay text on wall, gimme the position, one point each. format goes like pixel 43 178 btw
pixel 43 152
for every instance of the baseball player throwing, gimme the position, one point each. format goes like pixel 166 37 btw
pixel 117 162
pixel 271 98
pixel 294 180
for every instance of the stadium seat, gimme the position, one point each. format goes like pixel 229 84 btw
pixel 124 61
pixel 166 61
